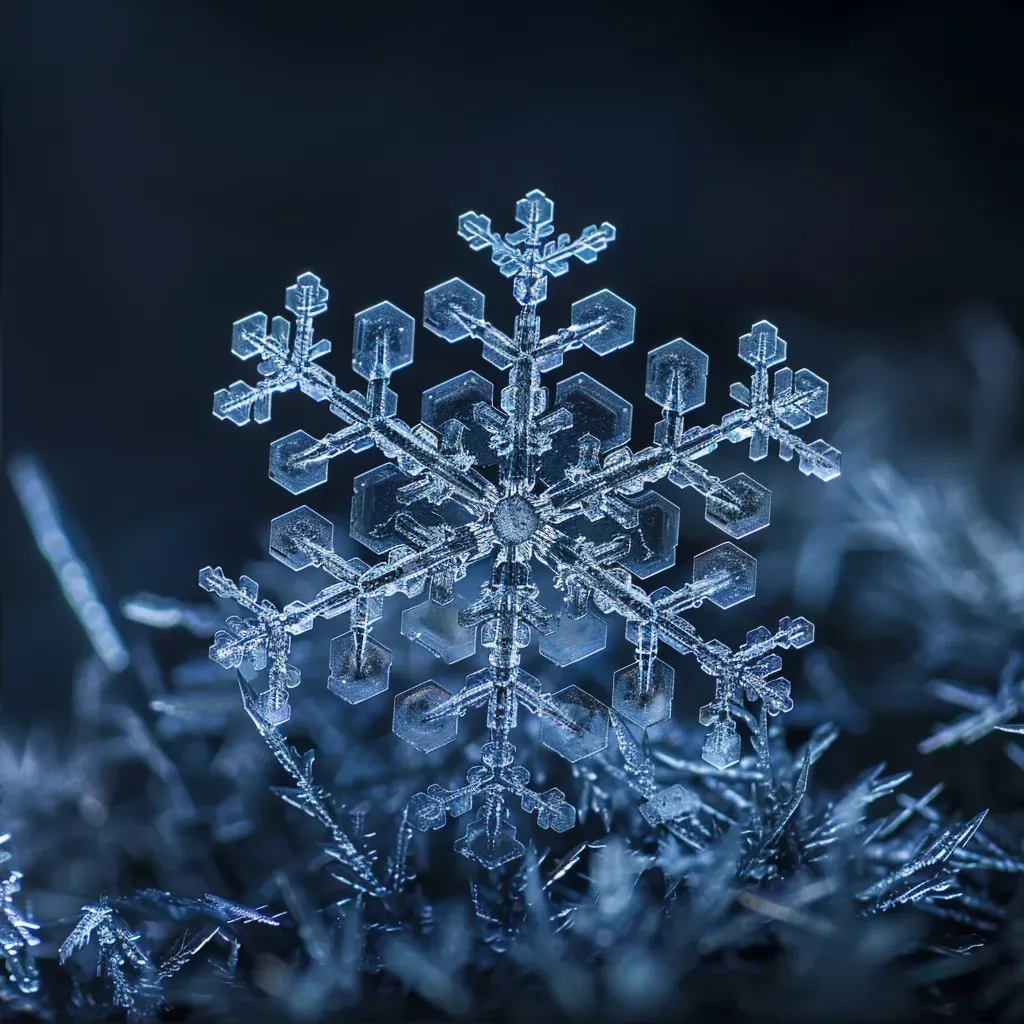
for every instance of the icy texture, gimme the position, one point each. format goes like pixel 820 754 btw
pixel 562 492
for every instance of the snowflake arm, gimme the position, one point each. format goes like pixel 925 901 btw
pixel 383 343
pixel 532 264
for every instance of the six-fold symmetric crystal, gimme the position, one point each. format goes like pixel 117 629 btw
pixel 532 480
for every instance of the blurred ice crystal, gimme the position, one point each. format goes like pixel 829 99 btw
pixel 536 480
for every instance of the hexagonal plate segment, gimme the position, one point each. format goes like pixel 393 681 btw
pixel 575 639
pixel 411 708
pixel 763 345
pixel 620 317
pixel 728 573
pixel 748 510
pixel 589 733
pixel 357 675
pixel 595 410
pixel 825 462
pixel 389 327
pixel 454 400
pixel 806 396
pixel 490 848
pixel 283 468
pixel 722 745
pixel 801 632
pixel 296 536
pixel 677 375
pixel 374 503
pixel 652 543
pixel 644 705
pixel 440 303
pixel 426 812
pixel 436 627
pixel 535 210
pixel 556 812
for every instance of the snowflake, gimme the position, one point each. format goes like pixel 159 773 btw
pixel 527 481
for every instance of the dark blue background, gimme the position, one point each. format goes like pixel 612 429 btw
pixel 170 167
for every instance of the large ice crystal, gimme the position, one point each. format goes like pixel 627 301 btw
pixel 533 481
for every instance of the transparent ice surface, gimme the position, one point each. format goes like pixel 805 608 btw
pixel 437 628
pixel 383 341
pixel 642 692
pixel 448 305
pixel 677 376
pixel 596 411
pixel 456 399
pixel 575 639
pixel 582 728
pixel 360 666
pixel 608 320
pixel 740 507
pixel 412 721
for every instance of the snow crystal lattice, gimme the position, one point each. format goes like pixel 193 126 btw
pixel 566 494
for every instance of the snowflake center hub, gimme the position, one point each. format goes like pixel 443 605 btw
pixel 515 520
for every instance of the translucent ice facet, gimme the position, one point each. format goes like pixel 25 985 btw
pixel 307 297
pixel 296 537
pixel 726 573
pixel 411 722
pixel 823 462
pixel 677 376
pixel 441 304
pixel 800 397
pixel 248 334
pixel 274 707
pixel 382 341
pixel 489 845
pixel 436 627
pixel 426 812
pixel 238 403
pixel 360 667
pixel 670 804
pixel 644 701
pixel 597 411
pixel 289 470
pixel 455 399
pixel 652 541
pixel 588 732
pixel 652 545
pixel 722 745
pixel 575 639
pixel 745 509
pixel 619 317
pixel 801 631
pixel 763 345
pixel 374 504
pixel 535 211
pixel 555 812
